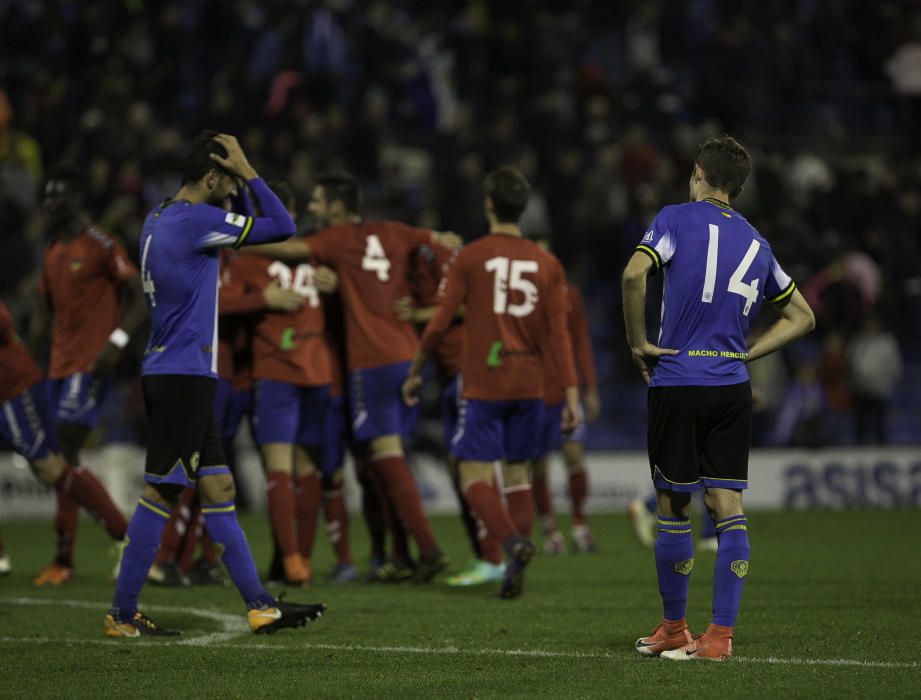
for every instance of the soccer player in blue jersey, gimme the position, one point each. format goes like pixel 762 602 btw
pixel 717 269
pixel 179 270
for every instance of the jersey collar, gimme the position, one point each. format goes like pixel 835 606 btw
pixel 717 202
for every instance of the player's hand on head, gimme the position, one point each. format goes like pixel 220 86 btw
pixel 235 161
pixel 410 389
pixel 325 279
pixel 277 298
pixel 403 308
pixel 645 356
pixel 592 402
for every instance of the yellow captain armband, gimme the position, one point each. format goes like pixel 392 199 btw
pixel 244 233
pixel 785 294
pixel 652 253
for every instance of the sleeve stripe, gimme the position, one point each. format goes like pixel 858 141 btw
pixel 652 253
pixel 784 294
pixel 246 227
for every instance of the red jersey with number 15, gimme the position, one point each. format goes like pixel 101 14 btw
pixel 18 370
pixel 288 346
pixel 515 296
pixel 372 261
pixel 81 279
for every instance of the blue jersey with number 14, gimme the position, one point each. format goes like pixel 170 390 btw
pixel 717 270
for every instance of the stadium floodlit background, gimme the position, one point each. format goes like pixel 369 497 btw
pixel 602 105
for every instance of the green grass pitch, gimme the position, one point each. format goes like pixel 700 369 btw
pixel 831 609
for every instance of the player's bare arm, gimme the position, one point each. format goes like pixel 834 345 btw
pixel 448 239
pixel 410 388
pixel 634 292
pixel 134 312
pixel 796 319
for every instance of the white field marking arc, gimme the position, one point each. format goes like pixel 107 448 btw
pixel 233 626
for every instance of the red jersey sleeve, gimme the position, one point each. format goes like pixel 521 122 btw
pixel 120 267
pixel 556 326
pixel 451 295
pixel 325 246
pixel 235 296
pixel 581 338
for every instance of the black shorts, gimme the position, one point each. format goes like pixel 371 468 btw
pixel 183 441
pixel 699 435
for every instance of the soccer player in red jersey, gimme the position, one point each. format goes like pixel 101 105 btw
pixel 515 300
pixel 27 426
pixel 371 259
pixel 430 268
pixel 571 446
pixel 92 292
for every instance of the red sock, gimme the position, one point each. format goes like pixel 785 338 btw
pixel 85 489
pixel 66 514
pixel 208 552
pixel 280 497
pixel 399 543
pixel 307 496
pixel 490 546
pixel 521 508
pixel 544 503
pixel 486 504
pixel 578 493
pixel 193 532
pixel 176 528
pixel 337 524
pixel 401 488
pixel 372 512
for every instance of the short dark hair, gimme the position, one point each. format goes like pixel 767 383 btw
pixel 509 190
pixel 198 161
pixel 283 191
pixel 71 175
pixel 725 164
pixel 342 187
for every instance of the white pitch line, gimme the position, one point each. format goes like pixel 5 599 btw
pixel 233 626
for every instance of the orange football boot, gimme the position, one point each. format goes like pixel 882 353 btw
pixel 53 575
pixel 297 569
pixel 713 645
pixel 665 637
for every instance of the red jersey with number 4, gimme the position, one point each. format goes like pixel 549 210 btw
pixel 515 296
pixel 554 390
pixel 81 279
pixel 431 265
pixel 288 346
pixel 372 261
pixel 18 370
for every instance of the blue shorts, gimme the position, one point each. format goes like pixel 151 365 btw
pixel 449 411
pixel 230 407
pixel 27 425
pixel 77 398
pixel 376 405
pixel 551 431
pixel 332 452
pixel 491 430
pixel 289 414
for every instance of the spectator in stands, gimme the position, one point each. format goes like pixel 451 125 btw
pixel 875 368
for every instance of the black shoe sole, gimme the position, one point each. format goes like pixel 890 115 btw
pixel 513 583
pixel 294 618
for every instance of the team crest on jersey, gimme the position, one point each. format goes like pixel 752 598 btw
pixel 194 460
pixel 76 264
pixel 237 220
pixel 739 567
pixel 648 237
pixel 684 567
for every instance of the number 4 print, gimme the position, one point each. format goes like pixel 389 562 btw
pixel 375 259
pixel 736 285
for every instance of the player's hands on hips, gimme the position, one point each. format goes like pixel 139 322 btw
pixel 646 355
pixel 325 279
pixel 105 361
pixel 235 161
pixel 410 389
pixel 277 298
pixel 592 402
pixel 403 308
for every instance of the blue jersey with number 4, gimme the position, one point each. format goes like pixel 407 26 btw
pixel 717 270
pixel 179 272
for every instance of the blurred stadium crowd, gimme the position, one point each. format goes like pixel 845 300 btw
pixel 601 103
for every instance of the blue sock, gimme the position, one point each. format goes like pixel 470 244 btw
pixel 221 523
pixel 674 562
pixel 143 538
pixel 730 570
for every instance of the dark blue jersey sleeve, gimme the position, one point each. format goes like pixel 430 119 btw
pixel 224 229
